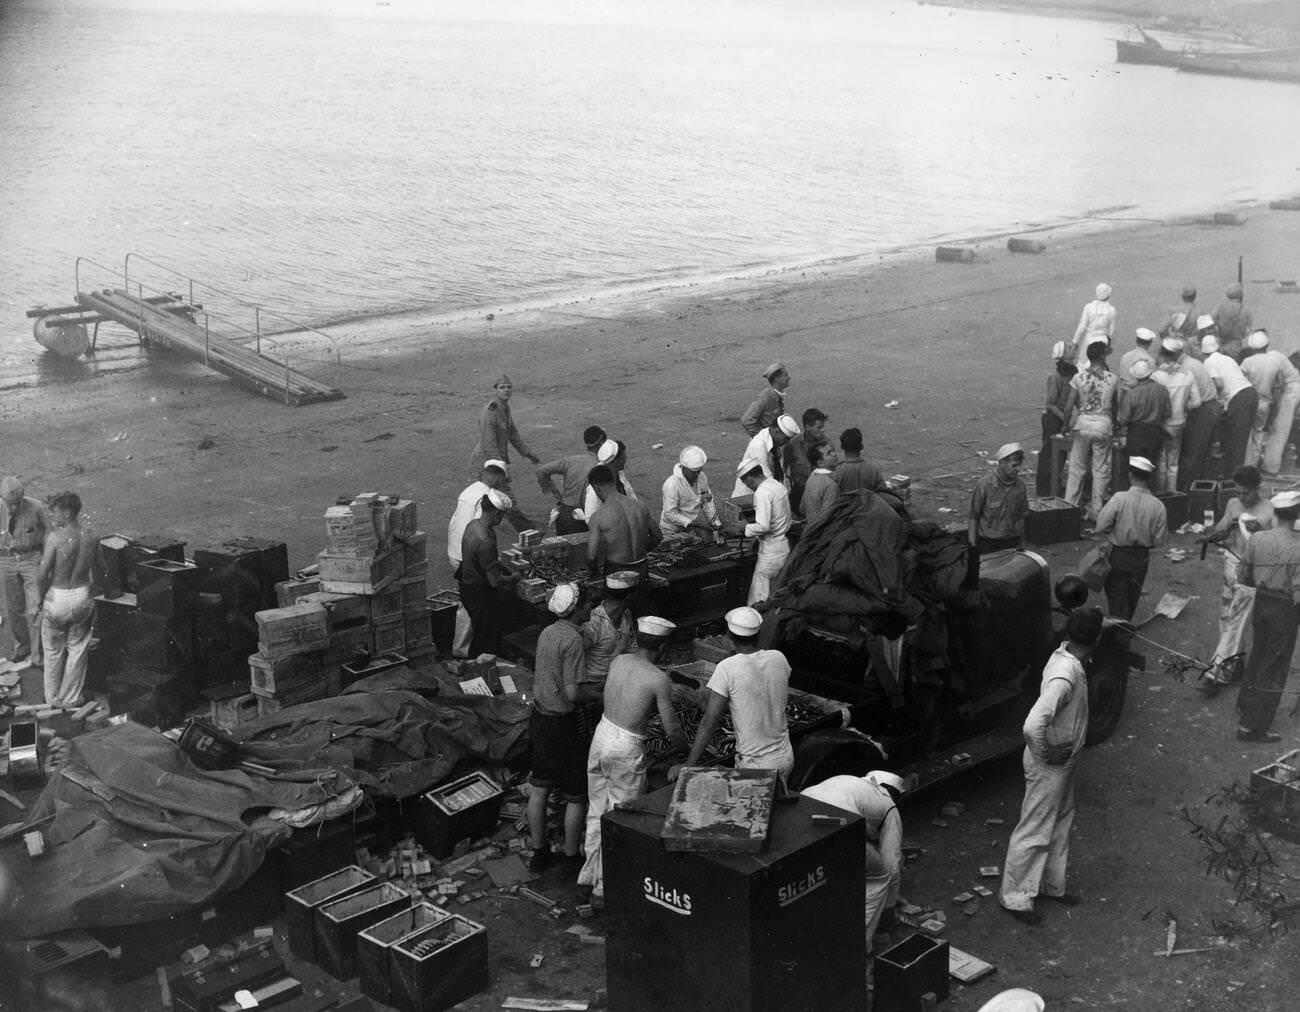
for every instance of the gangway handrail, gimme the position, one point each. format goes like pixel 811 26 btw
pixel 258 310
pixel 76 270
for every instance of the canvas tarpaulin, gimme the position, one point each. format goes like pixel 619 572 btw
pixel 138 832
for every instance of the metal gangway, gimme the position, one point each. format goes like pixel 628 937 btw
pixel 178 323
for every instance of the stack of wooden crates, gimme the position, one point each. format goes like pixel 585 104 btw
pixel 367 599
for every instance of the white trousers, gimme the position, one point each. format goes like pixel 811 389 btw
pixel 1236 602
pixel 65 635
pixel 464 634
pixel 616 771
pixel 1090 450
pixel 772 553
pixel 1039 848
pixel 1275 437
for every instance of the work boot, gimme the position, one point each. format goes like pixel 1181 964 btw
pixel 1030 917
pixel 540 860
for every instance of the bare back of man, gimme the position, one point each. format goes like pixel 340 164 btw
pixel 622 531
pixel 70 556
pixel 634 689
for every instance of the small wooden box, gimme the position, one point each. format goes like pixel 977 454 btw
pixel 345 574
pixel 738 510
pixel 338 922
pixel 386 604
pixel 289 591
pixel 415 550
pixel 342 611
pixel 374 945
pixel 273 677
pixel 389 636
pixel 300 905
pixel 297 629
pixel 904 972
pixel 439 966
pixel 415 588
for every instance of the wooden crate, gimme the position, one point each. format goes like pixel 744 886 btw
pixel 345 574
pixel 299 628
pixel 276 677
pixel 415 588
pixel 389 636
pixel 415 550
pixel 386 605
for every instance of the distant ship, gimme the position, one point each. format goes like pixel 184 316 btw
pixel 1151 50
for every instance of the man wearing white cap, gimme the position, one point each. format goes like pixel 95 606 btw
pixel 1245 514
pixel 571 470
pixel 481 577
pixel 1184 397
pixel 23 528
pixel 612 453
pixel 754 685
pixel 1238 399
pixel 608 632
pixel 468 507
pixel 616 761
pixel 1140 352
pixel 1054 418
pixel 770 527
pixel 765 448
pixel 770 404
pixel 688 506
pixel 1096 322
pixel 621 530
pixel 1277 382
pixel 874 797
pixel 1272 567
pixel 998 504
pixel 1133 522
pixel 1093 397
pixel 496 434
pixel 1202 421
pixel 1143 410
pixel 559 756
pixel 1054 731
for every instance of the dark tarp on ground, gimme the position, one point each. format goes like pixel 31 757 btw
pixel 139 832
pixel 398 733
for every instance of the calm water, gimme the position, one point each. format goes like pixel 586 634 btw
pixel 346 159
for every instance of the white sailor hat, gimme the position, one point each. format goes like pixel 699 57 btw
pixel 1209 344
pixel 563 598
pixel 1058 351
pixel 886 779
pixel 788 425
pixel 624 579
pixel 1204 322
pixel 1097 340
pixel 1140 369
pixel 743 621
pixel 1015 1000
pixel 1141 464
pixel 500 464
pixel 1173 345
pixel 692 457
pixel 1257 341
pixel 1103 291
pixel 1146 335
pixel 1288 500
pixel 747 465
pixel 1007 449
pixel 773 369
pixel 499 499
pixel 607 452
pixel 652 625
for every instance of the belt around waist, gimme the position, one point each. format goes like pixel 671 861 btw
pixel 22 551
pixel 1131 548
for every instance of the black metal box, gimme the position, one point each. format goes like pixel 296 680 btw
pixel 300 905
pixel 463 809
pixel 440 965
pixel 339 921
pixel 1052 521
pixel 167 588
pixel 233 572
pixel 786 924
pixel 374 945
pixel 904 972
pixel 1175 509
pixel 145 549
pixel 272 563
pixel 205 990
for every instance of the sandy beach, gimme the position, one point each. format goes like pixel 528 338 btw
pixel 963 350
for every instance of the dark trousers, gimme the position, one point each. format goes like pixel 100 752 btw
pixel 484 615
pixel 1194 461
pixel 564 522
pixel 1273 629
pixel 1052 426
pixel 1237 420
pixel 1144 440
pixel 1128 571
pixel 984 545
